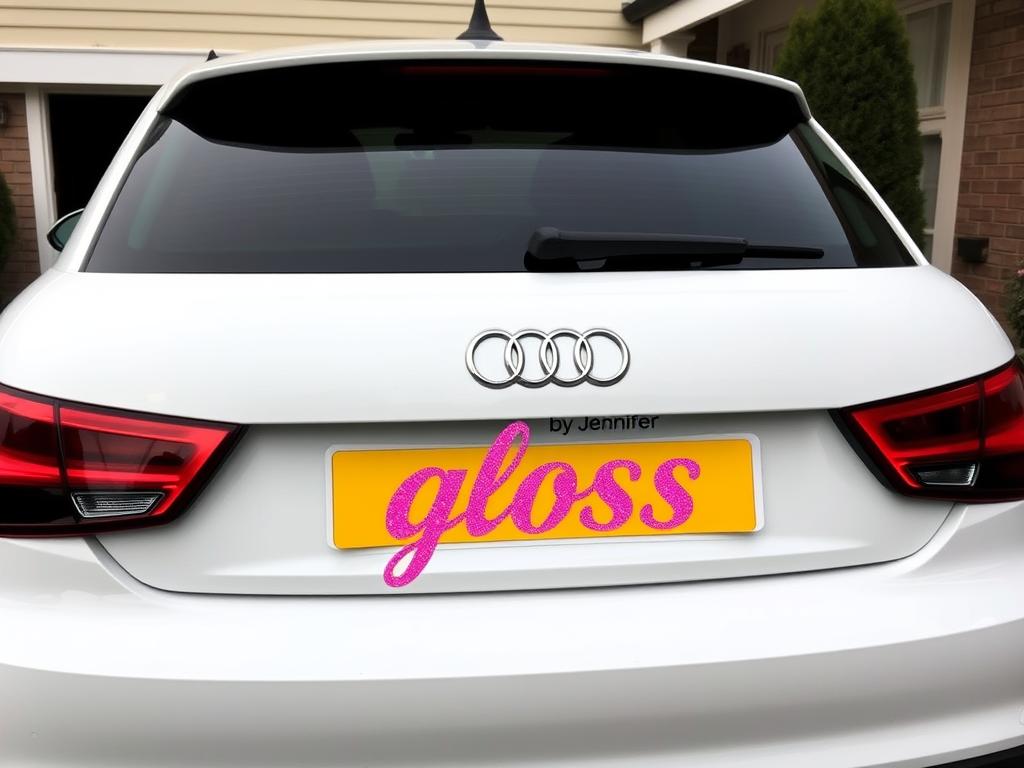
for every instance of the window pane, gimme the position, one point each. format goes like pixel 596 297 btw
pixel 931 148
pixel 383 181
pixel 928 31
pixel 772 44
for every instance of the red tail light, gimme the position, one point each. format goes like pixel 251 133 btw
pixel 67 469
pixel 964 442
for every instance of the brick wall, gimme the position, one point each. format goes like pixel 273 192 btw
pixel 23 261
pixel 992 176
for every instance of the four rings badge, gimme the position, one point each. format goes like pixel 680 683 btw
pixel 549 358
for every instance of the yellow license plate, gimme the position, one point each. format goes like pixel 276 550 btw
pixel 391 497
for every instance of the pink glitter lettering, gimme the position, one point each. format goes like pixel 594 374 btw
pixel 430 529
pixel 671 491
pixel 500 463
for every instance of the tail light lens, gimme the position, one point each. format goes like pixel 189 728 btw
pixel 68 469
pixel 964 442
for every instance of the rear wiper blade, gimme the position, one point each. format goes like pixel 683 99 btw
pixel 557 250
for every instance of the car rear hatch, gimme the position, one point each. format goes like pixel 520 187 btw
pixel 308 388
pixel 325 283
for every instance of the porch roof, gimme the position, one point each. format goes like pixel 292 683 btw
pixel 661 18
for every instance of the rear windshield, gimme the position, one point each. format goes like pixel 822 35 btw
pixel 454 166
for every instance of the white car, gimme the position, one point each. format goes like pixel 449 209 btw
pixel 486 404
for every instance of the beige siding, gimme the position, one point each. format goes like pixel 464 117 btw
pixel 249 24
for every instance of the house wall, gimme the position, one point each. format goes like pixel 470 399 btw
pixel 748 24
pixel 992 175
pixel 23 261
pixel 251 24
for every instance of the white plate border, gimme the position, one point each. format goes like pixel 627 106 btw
pixel 750 437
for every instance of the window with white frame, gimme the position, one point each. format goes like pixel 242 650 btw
pixel 928 33
pixel 772 43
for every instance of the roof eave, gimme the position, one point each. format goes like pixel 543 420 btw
pixel 638 10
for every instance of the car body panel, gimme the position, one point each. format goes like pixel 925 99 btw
pixel 913 663
pixel 388 348
pixel 898 643
pixel 263 525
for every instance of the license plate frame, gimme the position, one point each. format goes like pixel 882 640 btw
pixel 543 446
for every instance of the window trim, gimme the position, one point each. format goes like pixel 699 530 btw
pixel 948 122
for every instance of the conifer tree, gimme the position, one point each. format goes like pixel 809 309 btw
pixel 852 59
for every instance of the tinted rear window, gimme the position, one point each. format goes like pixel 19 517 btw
pixel 452 166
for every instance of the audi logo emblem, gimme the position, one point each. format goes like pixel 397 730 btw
pixel 514 358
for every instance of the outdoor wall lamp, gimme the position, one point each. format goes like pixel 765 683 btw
pixel 973 250
pixel 3 114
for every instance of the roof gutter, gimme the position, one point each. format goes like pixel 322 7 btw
pixel 638 10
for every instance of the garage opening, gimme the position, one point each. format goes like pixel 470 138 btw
pixel 86 130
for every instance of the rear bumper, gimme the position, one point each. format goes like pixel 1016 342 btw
pixel 918 662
